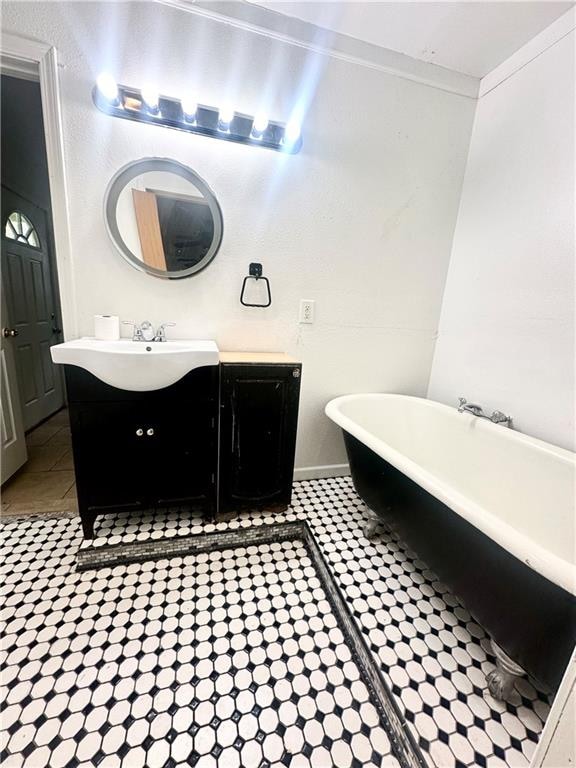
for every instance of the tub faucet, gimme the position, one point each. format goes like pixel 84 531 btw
pixel 475 410
pixel 497 417
pixel 500 418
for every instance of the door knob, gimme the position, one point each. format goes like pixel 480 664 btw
pixel 56 330
pixel 9 332
pixel 150 432
pixel 139 432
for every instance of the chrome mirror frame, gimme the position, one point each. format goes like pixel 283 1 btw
pixel 136 168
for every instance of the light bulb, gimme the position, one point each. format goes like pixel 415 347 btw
pixel 189 108
pixel 150 98
pixel 107 87
pixel 225 117
pixel 259 126
pixel 292 132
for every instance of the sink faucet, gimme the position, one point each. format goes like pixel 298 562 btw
pixel 497 417
pixel 144 331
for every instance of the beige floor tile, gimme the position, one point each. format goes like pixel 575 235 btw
pixel 62 437
pixel 66 460
pixel 37 486
pixel 42 458
pixel 41 434
pixel 60 419
pixel 24 508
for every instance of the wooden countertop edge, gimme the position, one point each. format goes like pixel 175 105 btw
pixel 258 357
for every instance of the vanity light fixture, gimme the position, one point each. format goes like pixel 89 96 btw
pixel 259 126
pixel 189 109
pixel 150 100
pixel 225 117
pixel 147 106
pixel 107 87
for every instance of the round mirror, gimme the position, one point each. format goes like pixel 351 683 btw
pixel 163 218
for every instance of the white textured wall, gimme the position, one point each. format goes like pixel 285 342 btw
pixel 506 335
pixel 361 220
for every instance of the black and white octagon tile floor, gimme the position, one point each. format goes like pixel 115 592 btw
pixel 234 657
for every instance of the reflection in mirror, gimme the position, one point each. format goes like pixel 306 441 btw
pixel 163 218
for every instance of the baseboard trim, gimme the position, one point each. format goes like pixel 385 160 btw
pixel 318 473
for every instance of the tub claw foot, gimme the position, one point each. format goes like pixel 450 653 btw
pixel 371 524
pixel 501 680
pixel 500 684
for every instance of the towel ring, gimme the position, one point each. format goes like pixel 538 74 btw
pixel 255 273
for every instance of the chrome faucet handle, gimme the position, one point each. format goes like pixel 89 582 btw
pixel 161 332
pixel 473 408
pixel 501 418
pixel 137 332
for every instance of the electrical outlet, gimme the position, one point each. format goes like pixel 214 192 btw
pixel 306 311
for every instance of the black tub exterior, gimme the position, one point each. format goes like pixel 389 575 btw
pixel 531 619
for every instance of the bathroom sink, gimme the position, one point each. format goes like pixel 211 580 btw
pixel 138 366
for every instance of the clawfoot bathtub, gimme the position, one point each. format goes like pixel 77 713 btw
pixel 489 509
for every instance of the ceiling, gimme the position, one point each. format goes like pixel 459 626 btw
pixel 468 37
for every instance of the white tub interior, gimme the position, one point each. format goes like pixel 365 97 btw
pixel 518 490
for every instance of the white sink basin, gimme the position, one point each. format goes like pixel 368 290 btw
pixel 138 366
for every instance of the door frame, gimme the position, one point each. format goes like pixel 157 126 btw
pixel 21 55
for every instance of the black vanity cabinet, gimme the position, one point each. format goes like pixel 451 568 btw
pixel 140 450
pixel 258 419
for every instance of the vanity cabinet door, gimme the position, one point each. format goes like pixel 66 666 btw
pixel 110 457
pixel 139 456
pixel 258 420
pixel 184 455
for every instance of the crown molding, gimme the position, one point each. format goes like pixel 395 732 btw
pixel 558 30
pixel 292 31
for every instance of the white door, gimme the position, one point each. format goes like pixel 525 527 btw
pixel 13 451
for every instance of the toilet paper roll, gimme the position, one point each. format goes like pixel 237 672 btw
pixel 107 327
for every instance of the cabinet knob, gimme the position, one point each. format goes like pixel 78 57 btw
pixel 139 432
pixel 150 432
